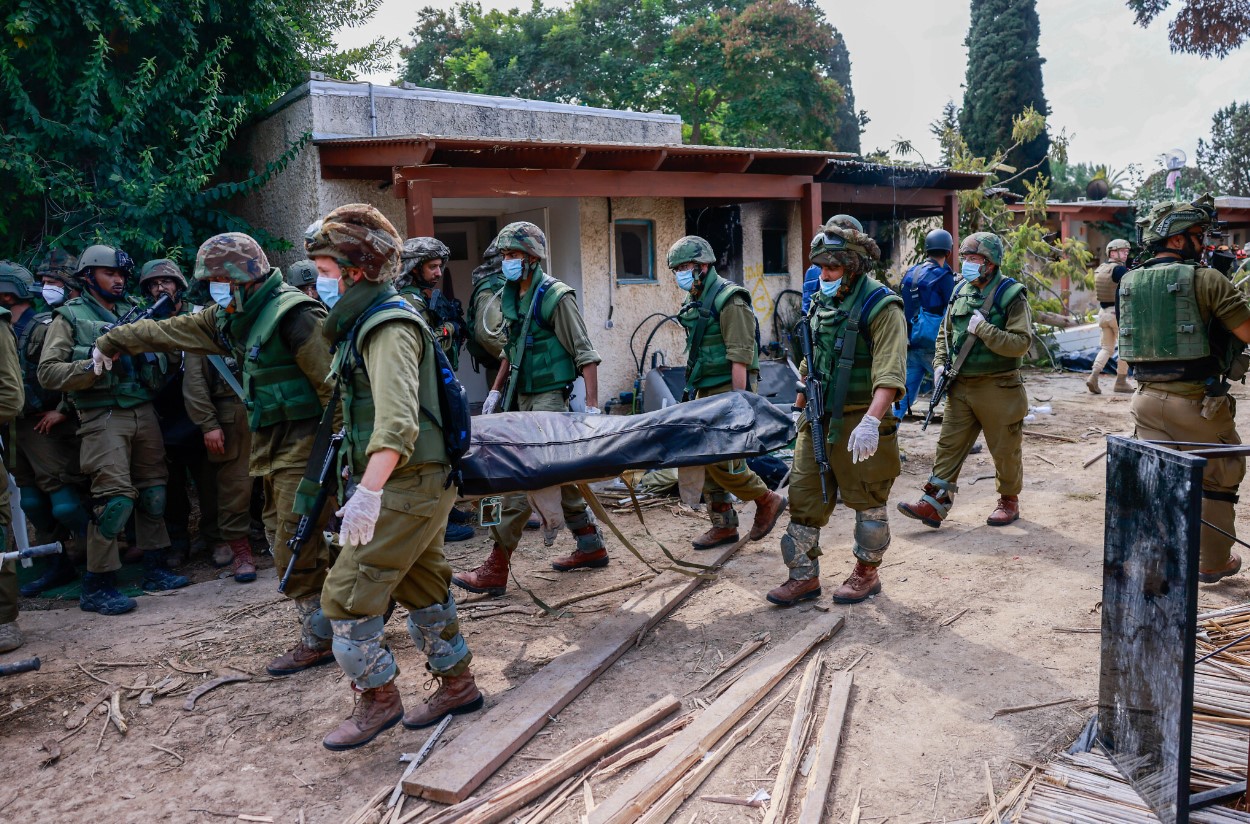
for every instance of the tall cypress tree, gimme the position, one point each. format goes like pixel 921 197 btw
pixel 1004 77
pixel 849 123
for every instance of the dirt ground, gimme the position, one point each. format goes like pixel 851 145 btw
pixel 965 626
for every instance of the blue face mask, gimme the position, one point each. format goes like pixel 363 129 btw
pixel 513 269
pixel 221 293
pixel 970 271
pixel 685 279
pixel 328 290
pixel 829 288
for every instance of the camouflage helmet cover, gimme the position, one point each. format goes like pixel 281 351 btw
pixel 60 265
pixel 358 235
pixel 105 257
pixel 492 263
pixel 690 249
pixel 162 268
pixel 835 238
pixel 1118 243
pixel 233 255
pixel 1175 217
pixel 522 236
pixel 16 279
pixel 417 250
pixel 986 244
pixel 301 273
pixel 845 222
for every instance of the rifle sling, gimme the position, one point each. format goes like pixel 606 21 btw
pixel 219 363
pixel 514 368
pixel 842 385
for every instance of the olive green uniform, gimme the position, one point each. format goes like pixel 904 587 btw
pixel 443 331
pixel 988 395
pixel 212 405
pixel 121 447
pixel 543 377
pixel 1171 410
pixel 282 431
pixel 11 400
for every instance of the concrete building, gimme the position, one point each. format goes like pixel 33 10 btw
pixel 612 189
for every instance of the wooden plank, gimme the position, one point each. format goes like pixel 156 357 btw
pixel 820 778
pixel 650 782
pixel 800 724
pixel 500 731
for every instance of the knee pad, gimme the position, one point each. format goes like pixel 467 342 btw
pixel 436 632
pixel 38 508
pixel 361 652
pixel 800 546
pixel 111 515
pixel 152 501
pixel 68 509
pixel 315 627
pixel 872 535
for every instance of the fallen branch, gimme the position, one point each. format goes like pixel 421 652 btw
pixel 1077 629
pixel 174 664
pixel 199 691
pixel 115 712
pixel 79 716
pixel 1034 433
pixel 739 800
pixel 1027 707
pixel 954 617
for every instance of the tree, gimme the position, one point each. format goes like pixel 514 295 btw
pixel 944 128
pixel 1208 28
pixel 850 123
pixel 116 116
pixel 1226 159
pixel 1004 78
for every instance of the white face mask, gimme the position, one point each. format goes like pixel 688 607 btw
pixel 221 293
pixel 54 295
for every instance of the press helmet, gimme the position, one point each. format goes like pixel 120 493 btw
pixel 939 240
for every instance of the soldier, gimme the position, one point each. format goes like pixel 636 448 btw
pixel 926 289
pixel 487 332
pixel 1182 379
pixel 11 402
pixel 988 394
pixel 303 276
pixel 722 356
pixel 1107 279
pixel 548 342
pixel 121 450
pixel 275 332
pixel 422 266
pixel 45 448
pixel 852 312
pixel 811 278
pixel 397 496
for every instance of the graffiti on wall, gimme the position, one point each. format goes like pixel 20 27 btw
pixel 761 299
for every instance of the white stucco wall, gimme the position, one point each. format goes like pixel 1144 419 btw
pixel 765 288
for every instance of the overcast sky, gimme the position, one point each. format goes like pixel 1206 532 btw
pixel 1116 88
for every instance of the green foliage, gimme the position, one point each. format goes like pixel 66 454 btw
pixel 116 116
pixel 1069 181
pixel 1004 77
pixel 1208 28
pixel 767 72
pixel 1226 159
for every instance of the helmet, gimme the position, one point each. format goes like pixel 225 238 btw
pixel 105 257
pixel 522 237
pixel 939 240
pixel 845 222
pixel 490 265
pixel 61 265
pixel 162 268
pixel 987 244
pixel 417 250
pixel 1175 217
pixel 232 255
pixel 690 249
pixel 16 279
pixel 359 236
pixel 1118 243
pixel 311 232
pixel 835 239
pixel 301 273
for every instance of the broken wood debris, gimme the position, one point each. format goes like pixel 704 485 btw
pixel 800 725
pixel 747 648
pixel 820 779
pixel 199 691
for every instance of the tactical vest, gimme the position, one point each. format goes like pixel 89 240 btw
pixel 1161 330
pixel 38 399
pixel 358 407
pixel 546 366
pixel 829 326
pixel 416 297
pixel 485 316
pixel 133 380
pixel 1104 286
pixel 276 389
pixel 707 360
pixel 1000 293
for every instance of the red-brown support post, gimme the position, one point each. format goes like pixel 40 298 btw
pixel 950 222
pixel 1065 285
pixel 811 212
pixel 419 209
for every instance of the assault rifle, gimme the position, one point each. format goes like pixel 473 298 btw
pixel 814 405
pixel 307 523
pixel 160 309
pixel 943 384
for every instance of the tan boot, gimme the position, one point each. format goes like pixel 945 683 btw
pixel 767 511
pixel 300 658
pixel 862 585
pixel 794 591
pixel 10 637
pixel 456 694
pixel 1092 383
pixel 1122 385
pixel 1007 511
pixel 1205 576
pixel 491 577
pixel 222 556
pixel 244 564
pixel 376 710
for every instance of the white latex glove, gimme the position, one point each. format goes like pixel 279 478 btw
pixel 862 444
pixel 492 402
pixel 938 372
pixel 100 362
pixel 360 516
pixel 975 322
pixel 593 410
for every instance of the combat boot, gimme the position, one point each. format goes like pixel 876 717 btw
pixel 860 586
pixel 1231 568
pixel 223 556
pixel 59 572
pixel 376 710
pixel 1007 511
pixel 1091 382
pixel 491 577
pixel 300 658
pixel 590 552
pixel 724 529
pixel 177 552
pixel 457 532
pixel 156 576
pixel 1122 385
pixel 931 509
pixel 244 568
pixel 10 637
pixel 456 694
pixel 794 591
pixel 100 595
pixel 768 510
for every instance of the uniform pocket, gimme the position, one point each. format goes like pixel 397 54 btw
pixel 371 591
